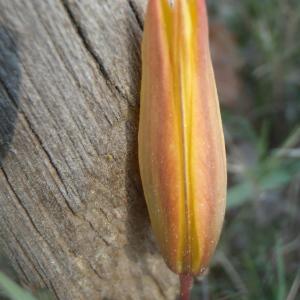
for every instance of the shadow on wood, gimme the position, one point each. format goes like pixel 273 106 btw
pixel 10 77
pixel 138 225
pixel 72 215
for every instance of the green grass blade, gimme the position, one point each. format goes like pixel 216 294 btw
pixel 12 290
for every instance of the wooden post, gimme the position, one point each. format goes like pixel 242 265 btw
pixel 72 212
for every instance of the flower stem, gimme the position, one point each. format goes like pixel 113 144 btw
pixel 186 282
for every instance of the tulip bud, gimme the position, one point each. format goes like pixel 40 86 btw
pixel 181 144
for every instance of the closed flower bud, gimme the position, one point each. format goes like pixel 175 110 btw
pixel 181 144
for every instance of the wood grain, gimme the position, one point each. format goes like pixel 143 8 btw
pixel 72 213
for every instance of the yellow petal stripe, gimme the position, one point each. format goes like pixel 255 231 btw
pixel 181 144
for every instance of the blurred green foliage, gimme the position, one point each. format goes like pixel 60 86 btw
pixel 13 291
pixel 259 253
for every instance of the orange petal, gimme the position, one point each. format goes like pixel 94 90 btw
pixel 181 144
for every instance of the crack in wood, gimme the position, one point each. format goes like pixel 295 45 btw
pixel 95 271
pixel 41 273
pixel 20 267
pixel 113 87
pixel 29 260
pixel 53 289
pixel 72 75
pixel 136 14
pixel 64 72
pixel 19 201
pixel 29 218
pixel 40 142
pixel 97 233
pixel 74 188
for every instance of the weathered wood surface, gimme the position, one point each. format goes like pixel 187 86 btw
pixel 72 214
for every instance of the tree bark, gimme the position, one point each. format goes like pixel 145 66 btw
pixel 72 213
